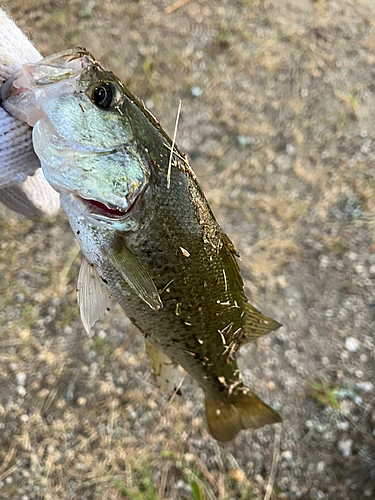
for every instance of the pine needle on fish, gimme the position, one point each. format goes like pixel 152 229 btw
pixel 173 143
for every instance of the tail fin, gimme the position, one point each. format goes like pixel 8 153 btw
pixel 246 411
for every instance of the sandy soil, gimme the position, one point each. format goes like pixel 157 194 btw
pixel 278 122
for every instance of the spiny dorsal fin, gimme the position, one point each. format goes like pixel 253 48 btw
pixel 256 324
pixel 227 242
pixel 232 254
pixel 135 274
pixel 166 373
pixel 94 298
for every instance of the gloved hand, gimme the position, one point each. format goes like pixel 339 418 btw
pixel 22 185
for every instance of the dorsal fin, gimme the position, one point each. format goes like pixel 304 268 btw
pixel 256 324
pixel 232 254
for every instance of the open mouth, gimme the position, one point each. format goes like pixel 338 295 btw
pixel 8 90
pixel 106 210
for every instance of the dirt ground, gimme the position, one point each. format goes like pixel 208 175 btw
pixel 278 120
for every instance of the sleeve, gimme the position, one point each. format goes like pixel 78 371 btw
pixel 22 185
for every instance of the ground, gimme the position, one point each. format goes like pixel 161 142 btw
pixel 278 120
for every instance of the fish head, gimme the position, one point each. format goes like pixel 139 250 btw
pixel 82 136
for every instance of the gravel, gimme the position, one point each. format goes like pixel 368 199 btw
pixel 351 344
pixel 282 141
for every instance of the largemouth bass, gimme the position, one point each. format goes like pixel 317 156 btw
pixel 144 225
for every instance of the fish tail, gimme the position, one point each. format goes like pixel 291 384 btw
pixel 244 411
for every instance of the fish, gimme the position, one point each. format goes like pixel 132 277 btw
pixel 145 228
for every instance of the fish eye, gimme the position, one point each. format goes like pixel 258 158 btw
pixel 104 95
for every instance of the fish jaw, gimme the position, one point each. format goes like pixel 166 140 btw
pixel 88 212
pixel 109 179
pixel 22 95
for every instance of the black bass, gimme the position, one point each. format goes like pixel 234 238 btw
pixel 144 226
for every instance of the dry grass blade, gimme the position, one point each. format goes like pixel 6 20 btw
pixel 10 343
pixel 176 5
pixel 221 480
pixel 118 352
pixel 203 468
pixel 163 482
pixel 8 472
pixel 129 475
pixel 173 143
pixel 234 465
pixel 62 277
pixel 50 399
pixel 275 462
pixel 111 419
pixel 177 389
pixel 9 456
pixel 200 484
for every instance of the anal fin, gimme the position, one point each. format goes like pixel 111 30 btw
pixel 165 372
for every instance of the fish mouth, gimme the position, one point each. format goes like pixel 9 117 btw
pixel 8 90
pixel 106 210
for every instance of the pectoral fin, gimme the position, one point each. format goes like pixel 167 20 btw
pixel 166 373
pixel 94 298
pixel 135 275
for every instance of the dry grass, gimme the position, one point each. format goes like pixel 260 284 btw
pixel 275 140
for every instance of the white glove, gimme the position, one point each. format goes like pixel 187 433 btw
pixel 18 162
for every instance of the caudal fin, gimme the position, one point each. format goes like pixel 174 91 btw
pixel 246 411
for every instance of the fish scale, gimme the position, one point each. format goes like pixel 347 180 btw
pixel 158 248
